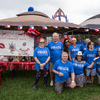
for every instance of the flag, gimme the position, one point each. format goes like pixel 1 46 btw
pixel 31 27
pixel 44 27
pixel 66 27
pixel 7 26
pixel 86 30
pixel 77 27
pixel 96 30
pixel 55 26
pixel 19 27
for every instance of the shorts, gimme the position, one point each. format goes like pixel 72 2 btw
pixel 80 79
pixel 50 66
pixel 59 85
pixel 98 78
pixel 91 72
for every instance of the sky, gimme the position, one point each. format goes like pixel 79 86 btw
pixel 77 11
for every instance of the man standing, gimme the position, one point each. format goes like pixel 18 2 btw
pixel 56 49
pixel 79 40
pixel 62 69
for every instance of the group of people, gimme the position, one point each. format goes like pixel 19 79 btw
pixel 74 64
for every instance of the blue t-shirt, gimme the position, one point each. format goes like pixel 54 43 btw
pixel 79 66
pixel 55 50
pixel 97 46
pixel 98 66
pixel 73 50
pixel 84 48
pixel 80 43
pixel 42 54
pixel 89 56
pixel 65 68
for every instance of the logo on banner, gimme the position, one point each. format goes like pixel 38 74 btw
pixel 12 47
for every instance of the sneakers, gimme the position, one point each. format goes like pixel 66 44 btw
pixel 92 84
pixel 51 83
pixel 88 81
pixel 35 87
pixel 45 85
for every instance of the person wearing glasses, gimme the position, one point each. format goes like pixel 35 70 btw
pixel 42 57
pixel 79 40
pixel 66 45
pixel 56 48
pixel 89 55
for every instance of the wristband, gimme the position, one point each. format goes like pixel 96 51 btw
pixel 93 61
pixel 73 81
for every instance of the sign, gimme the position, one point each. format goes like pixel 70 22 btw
pixel 16 44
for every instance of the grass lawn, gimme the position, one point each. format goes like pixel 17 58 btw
pixel 21 88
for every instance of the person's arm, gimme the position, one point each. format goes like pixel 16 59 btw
pixel 35 58
pixel 56 72
pixel 73 77
pixel 62 51
pixel 90 66
pixel 43 64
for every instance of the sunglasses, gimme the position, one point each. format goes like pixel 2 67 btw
pixel 41 42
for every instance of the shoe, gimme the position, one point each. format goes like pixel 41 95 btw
pixel 45 85
pixel 35 87
pixel 88 81
pixel 51 83
pixel 84 84
pixel 92 84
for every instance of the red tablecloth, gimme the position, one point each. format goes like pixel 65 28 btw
pixel 4 64
pixel 0 75
pixel 22 65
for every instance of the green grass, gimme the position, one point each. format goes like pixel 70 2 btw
pixel 21 88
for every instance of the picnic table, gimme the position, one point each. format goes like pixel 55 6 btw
pixel 22 65
pixel 16 66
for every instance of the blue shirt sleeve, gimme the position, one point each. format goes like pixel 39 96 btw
pixel 71 68
pixel 48 52
pixel 55 65
pixel 48 46
pixel 35 53
pixel 69 48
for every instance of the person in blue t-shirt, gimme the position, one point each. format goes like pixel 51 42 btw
pixel 42 57
pixel 84 47
pixel 56 48
pixel 98 45
pixel 98 66
pixel 62 69
pixel 79 64
pixel 89 55
pixel 73 49
pixel 79 40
